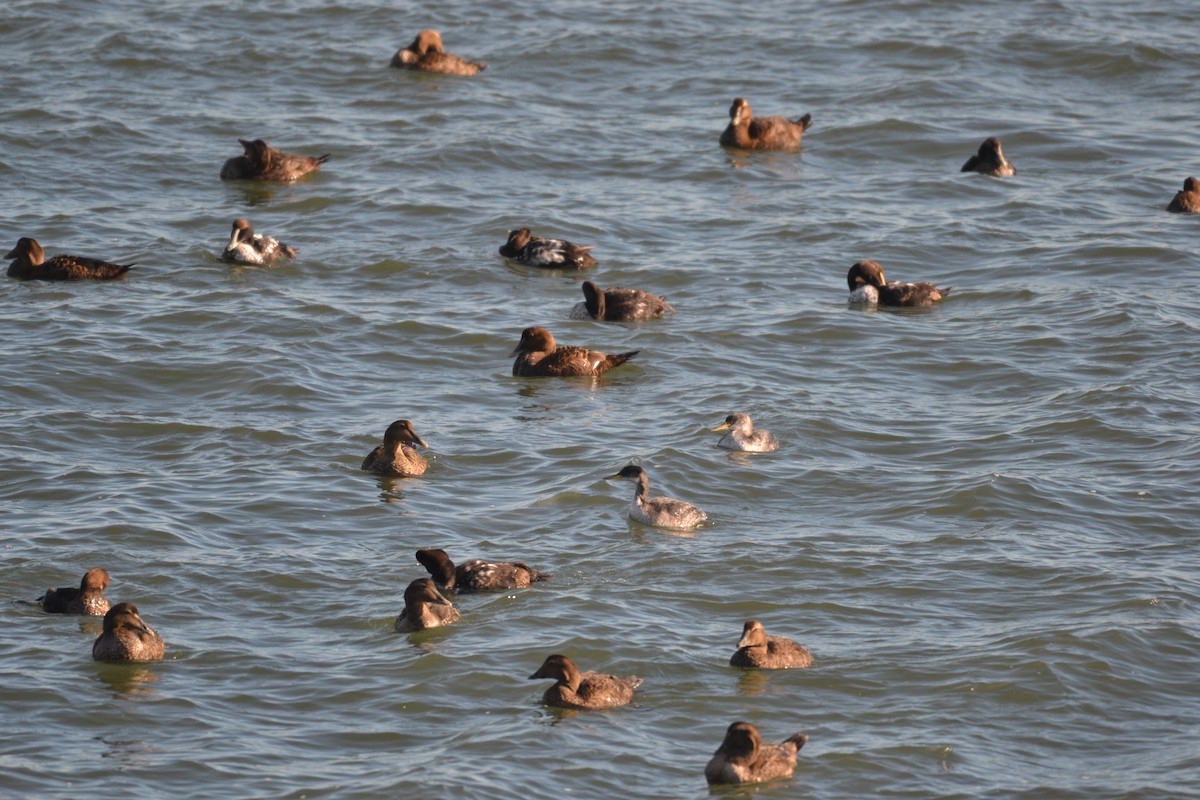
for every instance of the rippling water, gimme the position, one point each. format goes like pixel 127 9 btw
pixel 982 520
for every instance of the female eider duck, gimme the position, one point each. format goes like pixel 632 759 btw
pixel 88 599
pixel 867 285
pixel 247 247
pixel 1187 201
pixel 426 54
pixel 534 251
pixel 583 690
pixel 126 637
pixel 743 758
pixel 30 263
pixel 748 132
pixel 989 160
pixel 743 436
pixel 261 162
pixel 538 356
pixel 661 512
pixel 398 454
pixel 425 607
pixel 619 305
pixel 757 650
pixel 477 575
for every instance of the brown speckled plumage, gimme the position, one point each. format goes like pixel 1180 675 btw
pixel 477 575
pixel 126 637
pixel 30 263
pixel 537 355
pixel 427 54
pixel 743 758
pixel 88 599
pixel 749 132
pixel 398 454
pixel 1187 201
pixel 868 285
pixel 757 650
pixel 989 160
pixel 425 607
pixel 261 162
pixel 618 305
pixel 583 690
pixel 536 251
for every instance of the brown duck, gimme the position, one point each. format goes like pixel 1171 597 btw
pixel 743 758
pixel 535 251
pixel 1187 201
pixel 88 599
pixel 989 160
pixel 261 162
pixel 757 650
pixel 583 690
pixel 398 454
pixel 126 637
pixel 426 54
pixel 477 575
pixel 619 305
pixel 425 607
pixel 537 356
pixel 867 285
pixel 30 263
pixel 762 133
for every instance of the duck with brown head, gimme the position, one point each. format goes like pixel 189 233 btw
pixel 425 607
pixel 1188 200
pixel 261 162
pixel 868 285
pixel 30 263
pixel 583 690
pixel 88 599
pixel 534 251
pixel 426 54
pixel 247 247
pixel 748 132
pixel 398 454
pixel 619 305
pixel 989 160
pixel 743 758
pixel 477 575
pixel 126 637
pixel 539 356
pixel 757 650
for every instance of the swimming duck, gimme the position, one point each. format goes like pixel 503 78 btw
pixel 618 305
pixel 398 454
pixel 867 285
pixel 88 599
pixel 762 133
pixel 537 356
pixel 583 690
pixel 661 512
pixel 534 251
pixel 989 160
pixel 425 607
pixel 758 650
pixel 427 55
pixel 261 162
pixel 742 435
pixel 247 247
pixel 126 637
pixel 1187 201
pixel 743 758
pixel 30 263
pixel 477 575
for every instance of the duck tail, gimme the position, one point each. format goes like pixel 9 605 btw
pixel 618 359
pixel 323 159
pixel 798 739
pixel 806 121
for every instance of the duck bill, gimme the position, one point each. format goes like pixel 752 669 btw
pixel 724 426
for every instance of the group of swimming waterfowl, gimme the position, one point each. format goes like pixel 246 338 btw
pixel 742 756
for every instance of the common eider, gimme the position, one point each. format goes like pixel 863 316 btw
pixel 743 758
pixel 989 160
pixel 867 285
pixel 88 599
pixel 748 132
pixel 398 454
pixel 538 356
pixel 261 162
pixel 757 650
pixel 534 251
pixel 583 690
pixel 126 637
pixel 425 607
pixel 427 54
pixel 247 247
pixel 477 575
pixel 30 263
pixel 618 305
pixel 1187 201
